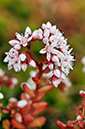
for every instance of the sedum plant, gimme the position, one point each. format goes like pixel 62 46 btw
pixel 52 70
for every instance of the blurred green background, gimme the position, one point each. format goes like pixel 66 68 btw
pixel 69 16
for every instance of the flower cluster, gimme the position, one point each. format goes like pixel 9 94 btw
pixel 4 79
pixel 56 49
pixel 79 122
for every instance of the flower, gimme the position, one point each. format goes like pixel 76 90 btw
pixel 22 40
pixel 22 103
pixel 1 73
pixel 1 96
pixel 15 60
pixel 83 61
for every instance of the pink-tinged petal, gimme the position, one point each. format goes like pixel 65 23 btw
pixel 55 51
pixel 44 26
pixel 31 63
pixel 56 82
pixel 48 25
pixel 22 103
pixel 13 42
pixel 46 33
pixel 27 32
pixel 45 40
pixel 55 58
pixel 22 57
pixel 18 117
pixel 43 51
pixel 56 72
pixel 54 44
pixel 24 66
pixel 18 36
pixel 34 35
pixel 48 56
pixel 7 58
pixel 39 36
pixel 29 39
pixel 17 46
pixel 50 65
pixel 53 29
pixel 10 67
pixel 17 67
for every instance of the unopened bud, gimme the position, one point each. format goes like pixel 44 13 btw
pixel 28 118
pixel 81 124
pixel 38 122
pixel 46 88
pixel 40 105
pixel 60 124
pixel 27 90
pixel 16 124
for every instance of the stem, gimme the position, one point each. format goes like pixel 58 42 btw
pixel 5 108
pixel 30 54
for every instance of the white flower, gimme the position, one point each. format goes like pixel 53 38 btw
pixel 22 40
pixel 1 96
pixel 13 100
pixel 78 117
pixel 49 49
pixel 22 103
pixel 83 61
pixel 15 60
pixel 1 73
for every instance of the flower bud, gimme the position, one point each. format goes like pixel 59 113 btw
pixel 22 103
pixel 16 124
pixel 46 88
pixel 38 122
pixel 31 63
pixel 40 105
pixel 60 124
pixel 27 90
pixel 28 118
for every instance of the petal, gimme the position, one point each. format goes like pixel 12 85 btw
pixel 24 66
pixel 56 72
pixel 17 46
pixel 13 42
pixel 42 51
pixel 22 57
pixel 18 36
pixel 17 67
pixel 30 38
pixel 48 24
pixel 48 56
pixel 22 103
pixel 27 32
pixel 46 33
pixel 45 40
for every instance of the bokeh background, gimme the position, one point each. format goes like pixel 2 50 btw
pixel 69 16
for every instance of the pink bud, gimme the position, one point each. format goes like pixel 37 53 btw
pixel 50 65
pixel 60 124
pixel 46 88
pixel 27 90
pixel 38 122
pixel 16 124
pixel 31 63
pixel 40 105
pixel 28 119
